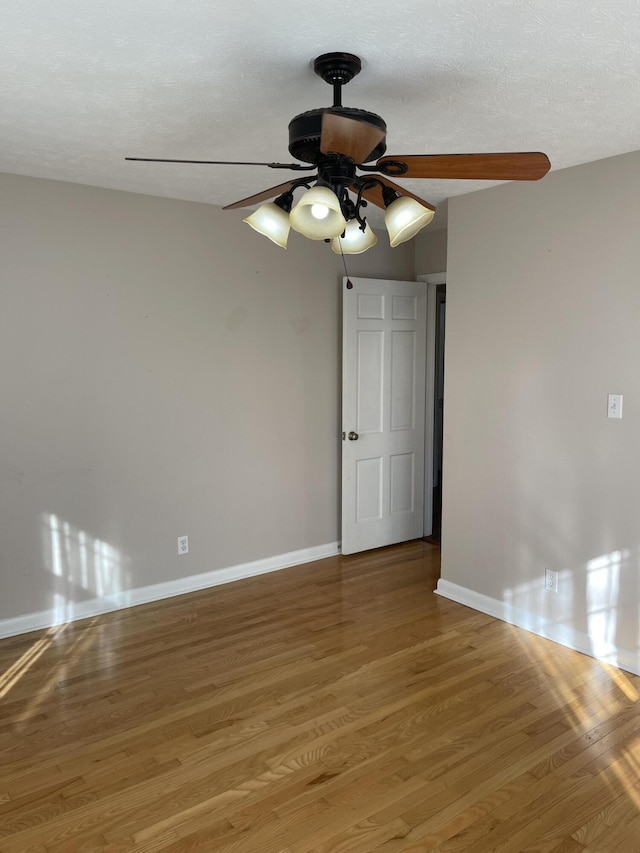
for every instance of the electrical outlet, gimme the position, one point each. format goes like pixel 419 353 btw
pixel 183 545
pixel 550 580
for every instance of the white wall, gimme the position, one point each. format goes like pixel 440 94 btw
pixel 164 371
pixel 543 320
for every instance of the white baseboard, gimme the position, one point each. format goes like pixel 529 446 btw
pixel 559 633
pixel 143 595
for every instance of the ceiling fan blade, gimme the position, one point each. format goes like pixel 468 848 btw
pixel 272 192
pixel 344 135
pixel 374 194
pixel 296 166
pixel 528 166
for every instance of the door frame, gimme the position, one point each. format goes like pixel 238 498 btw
pixel 432 280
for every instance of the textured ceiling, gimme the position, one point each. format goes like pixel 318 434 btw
pixel 84 83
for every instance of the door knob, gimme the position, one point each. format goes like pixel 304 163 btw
pixel 353 436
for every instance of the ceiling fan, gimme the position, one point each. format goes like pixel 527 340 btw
pixel 339 143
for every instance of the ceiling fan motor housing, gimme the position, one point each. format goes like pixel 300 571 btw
pixel 305 131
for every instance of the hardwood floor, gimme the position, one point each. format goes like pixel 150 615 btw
pixel 338 706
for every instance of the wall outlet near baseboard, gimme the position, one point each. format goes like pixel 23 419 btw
pixel 183 545
pixel 550 580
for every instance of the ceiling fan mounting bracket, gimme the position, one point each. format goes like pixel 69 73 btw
pixel 337 68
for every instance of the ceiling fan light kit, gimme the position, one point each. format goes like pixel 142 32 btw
pixel 404 218
pixel 354 240
pixel 318 214
pixel 272 221
pixel 337 142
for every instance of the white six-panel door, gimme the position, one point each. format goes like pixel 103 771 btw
pixel 383 411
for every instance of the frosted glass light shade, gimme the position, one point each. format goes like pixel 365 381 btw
pixel 317 215
pixel 404 218
pixel 272 221
pixel 355 240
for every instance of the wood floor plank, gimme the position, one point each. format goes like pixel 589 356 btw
pixel 336 706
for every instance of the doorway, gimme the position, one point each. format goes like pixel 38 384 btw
pixel 438 410
pixel 434 403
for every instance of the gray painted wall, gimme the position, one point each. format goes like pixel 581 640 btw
pixel 543 320
pixel 431 252
pixel 164 371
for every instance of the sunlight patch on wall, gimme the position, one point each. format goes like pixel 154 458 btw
pixel 532 597
pixel 603 592
pixel 82 566
pixel 587 602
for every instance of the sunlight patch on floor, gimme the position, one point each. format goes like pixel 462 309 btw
pixel 17 670
pixel 64 667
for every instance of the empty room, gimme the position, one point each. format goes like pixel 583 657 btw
pixel 319 444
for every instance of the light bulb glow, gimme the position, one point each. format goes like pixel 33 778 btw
pixel 403 218
pixel 319 211
pixel 318 215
